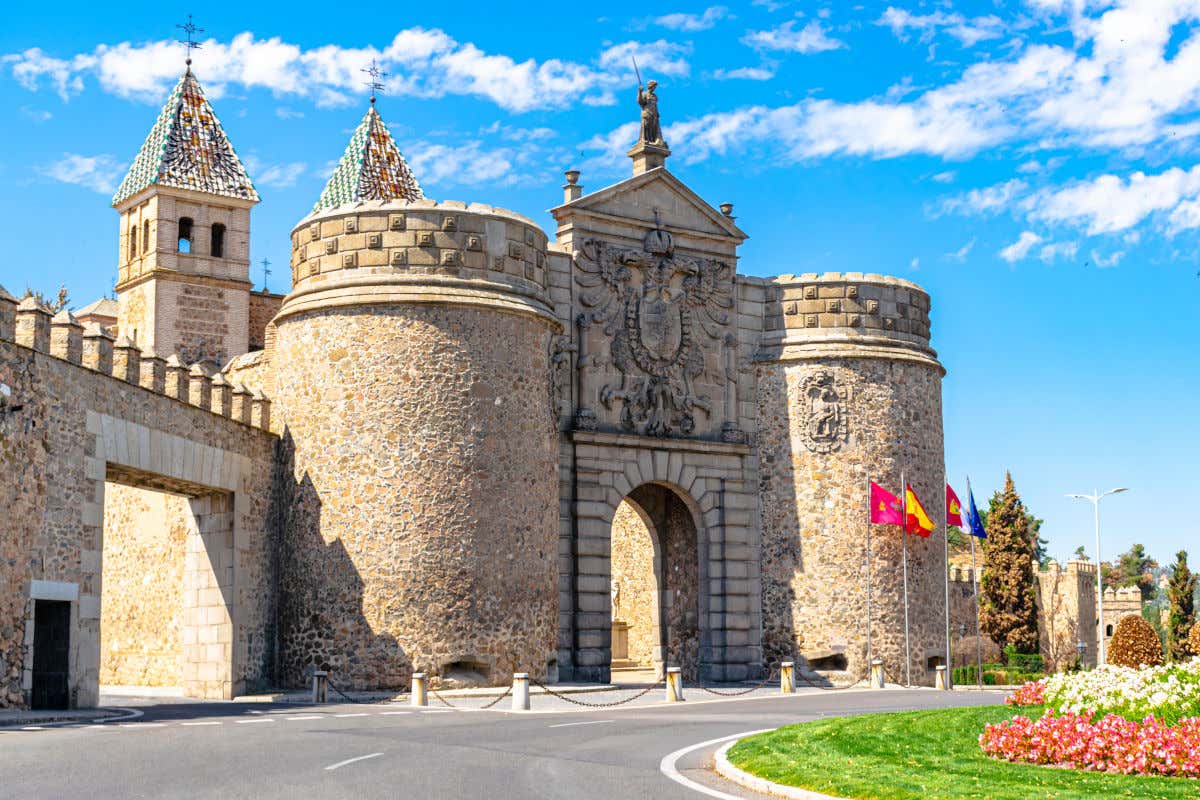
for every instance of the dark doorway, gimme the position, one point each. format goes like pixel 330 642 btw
pixel 51 654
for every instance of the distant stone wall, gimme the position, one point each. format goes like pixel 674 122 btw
pixel 263 308
pixel 141 597
pixel 633 568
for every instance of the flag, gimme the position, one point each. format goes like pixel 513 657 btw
pixel 953 508
pixel 885 506
pixel 974 523
pixel 918 521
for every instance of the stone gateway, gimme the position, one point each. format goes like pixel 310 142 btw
pixel 457 445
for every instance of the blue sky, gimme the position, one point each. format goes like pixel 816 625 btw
pixel 1032 164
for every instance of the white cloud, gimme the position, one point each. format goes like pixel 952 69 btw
pixel 1110 203
pixel 693 22
pixel 472 164
pixel 1111 260
pixel 744 73
pixel 915 263
pixel 1055 250
pixel 812 38
pixel 98 173
pixel 36 115
pixel 968 31
pixel 283 112
pixel 988 200
pixel 274 175
pixel 1021 247
pixel 961 253
pixel 945 177
pixel 663 57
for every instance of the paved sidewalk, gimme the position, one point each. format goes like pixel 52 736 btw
pixel 18 717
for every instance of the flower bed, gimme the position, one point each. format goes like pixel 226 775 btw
pixel 1168 693
pixel 1113 744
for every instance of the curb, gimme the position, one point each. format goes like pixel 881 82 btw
pixel 66 719
pixel 742 778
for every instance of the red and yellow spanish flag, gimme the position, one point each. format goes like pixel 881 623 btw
pixel 885 506
pixel 953 508
pixel 918 521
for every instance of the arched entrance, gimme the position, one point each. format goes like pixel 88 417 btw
pixel 655 583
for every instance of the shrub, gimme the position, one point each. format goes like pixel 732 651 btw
pixel 1135 644
pixel 1194 639
pixel 1023 662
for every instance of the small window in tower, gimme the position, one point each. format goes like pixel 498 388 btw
pixel 218 240
pixel 185 234
pixel 145 237
pixel 133 241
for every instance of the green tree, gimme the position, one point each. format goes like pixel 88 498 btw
pixel 1134 567
pixel 1008 612
pixel 58 304
pixel 1080 553
pixel 1181 595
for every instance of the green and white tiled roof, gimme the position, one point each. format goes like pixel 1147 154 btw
pixel 372 168
pixel 187 149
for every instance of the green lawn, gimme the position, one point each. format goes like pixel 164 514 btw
pixel 925 755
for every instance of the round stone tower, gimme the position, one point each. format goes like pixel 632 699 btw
pixel 413 386
pixel 849 390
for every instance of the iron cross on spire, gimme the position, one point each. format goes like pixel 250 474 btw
pixel 375 85
pixel 189 28
pixel 266 265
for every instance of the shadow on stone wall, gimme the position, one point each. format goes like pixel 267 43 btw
pixel 320 624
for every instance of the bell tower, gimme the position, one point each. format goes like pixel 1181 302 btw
pixel 184 259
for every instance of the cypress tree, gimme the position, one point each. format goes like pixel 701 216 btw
pixel 1008 612
pixel 1181 591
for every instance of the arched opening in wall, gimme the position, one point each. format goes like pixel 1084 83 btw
pixel 217 250
pixel 165 589
pixel 655 586
pixel 184 244
pixel 133 237
pixel 145 237
pixel 1108 630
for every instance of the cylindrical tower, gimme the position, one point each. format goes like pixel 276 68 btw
pixel 849 390
pixel 413 389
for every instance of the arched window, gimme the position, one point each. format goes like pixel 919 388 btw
pixel 133 241
pixel 1108 630
pixel 185 235
pixel 218 241
pixel 145 237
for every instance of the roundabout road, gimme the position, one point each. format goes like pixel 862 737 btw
pixel 242 750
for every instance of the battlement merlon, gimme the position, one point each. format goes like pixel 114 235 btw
pixel 30 325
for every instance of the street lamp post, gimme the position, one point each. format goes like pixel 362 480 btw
pixel 1094 499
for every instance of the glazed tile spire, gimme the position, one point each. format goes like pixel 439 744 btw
pixel 187 149
pixel 372 168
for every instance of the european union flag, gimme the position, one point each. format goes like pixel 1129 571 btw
pixel 974 523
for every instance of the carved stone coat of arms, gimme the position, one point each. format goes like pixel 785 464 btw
pixel 825 425
pixel 661 312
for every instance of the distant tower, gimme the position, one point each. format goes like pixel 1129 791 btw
pixel 184 263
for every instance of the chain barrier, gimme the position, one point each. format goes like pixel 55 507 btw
pixel 738 692
pixel 493 703
pixel 798 674
pixel 570 699
pixel 345 696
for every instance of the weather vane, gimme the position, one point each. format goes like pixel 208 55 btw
pixel 266 265
pixel 375 85
pixel 190 28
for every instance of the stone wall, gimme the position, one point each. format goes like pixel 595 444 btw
pixel 633 572
pixel 77 428
pixel 141 598
pixel 848 390
pixel 263 308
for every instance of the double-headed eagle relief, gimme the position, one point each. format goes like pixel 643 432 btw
pixel 662 313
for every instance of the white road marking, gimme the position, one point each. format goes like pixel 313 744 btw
pixel 344 716
pixel 142 725
pixel 199 723
pixel 352 760
pixel 306 716
pixel 252 721
pixel 570 724
pixel 393 713
pixel 33 728
pixel 667 765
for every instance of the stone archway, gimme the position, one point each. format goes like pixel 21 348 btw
pixel 655 579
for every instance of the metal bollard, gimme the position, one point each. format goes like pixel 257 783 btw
pixel 419 697
pixel 787 682
pixel 877 679
pixel 674 685
pixel 320 686
pixel 942 678
pixel 520 691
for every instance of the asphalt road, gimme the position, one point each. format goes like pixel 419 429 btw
pixel 233 750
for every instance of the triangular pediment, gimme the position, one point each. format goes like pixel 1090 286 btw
pixel 656 190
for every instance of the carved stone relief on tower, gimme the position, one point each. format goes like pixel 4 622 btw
pixel 664 317
pixel 824 401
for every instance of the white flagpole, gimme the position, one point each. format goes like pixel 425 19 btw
pixel 868 572
pixel 946 571
pixel 904 558
pixel 975 578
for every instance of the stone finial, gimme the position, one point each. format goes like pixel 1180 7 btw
pixel 175 378
pixel 727 209
pixel 260 411
pixel 33 325
pixel 97 348
pixel 127 360
pixel 66 337
pixel 152 372
pixel 221 398
pixel 8 316
pixel 199 387
pixel 572 190
pixel 239 408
